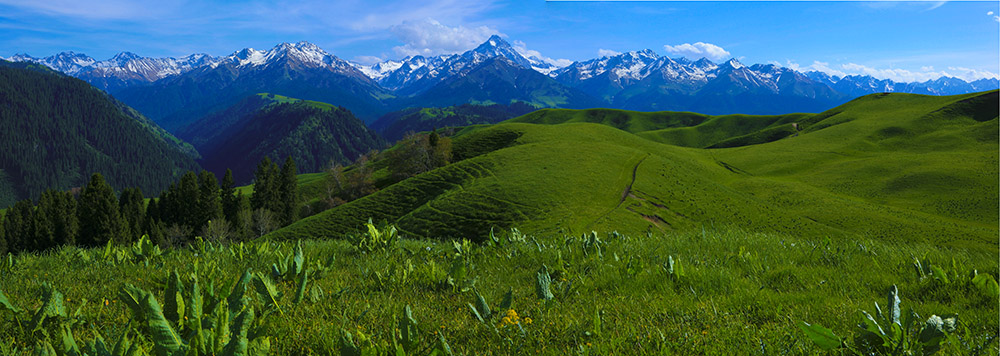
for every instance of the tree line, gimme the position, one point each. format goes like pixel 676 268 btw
pixel 200 205
pixel 196 205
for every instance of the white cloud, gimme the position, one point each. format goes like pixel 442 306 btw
pixel 698 50
pixel 904 75
pixel 429 37
pixel 989 13
pixel 896 74
pixel 607 52
pixel 522 48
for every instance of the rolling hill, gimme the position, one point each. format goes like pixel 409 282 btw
pixel 56 130
pixel 275 126
pixel 393 126
pixel 895 167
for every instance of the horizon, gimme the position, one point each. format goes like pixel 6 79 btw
pixel 901 41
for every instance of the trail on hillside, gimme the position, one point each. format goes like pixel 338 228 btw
pixel 628 189
pixel 625 193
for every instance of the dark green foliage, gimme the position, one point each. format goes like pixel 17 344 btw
pixel 394 126
pixel 311 133
pixel 230 202
pixel 100 220
pixel 132 208
pixel 187 204
pixel 17 226
pixel 3 237
pixel 288 202
pixel 209 201
pixel 418 153
pixel 55 130
pixel 265 187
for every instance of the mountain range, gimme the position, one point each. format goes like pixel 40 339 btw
pixel 176 92
pixel 55 131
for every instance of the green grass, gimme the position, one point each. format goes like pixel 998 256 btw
pixel 742 292
pixel 848 173
pixel 281 99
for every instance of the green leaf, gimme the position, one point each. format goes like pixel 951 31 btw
pixel 932 334
pixel 347 345
pixel 481 306
pixel 238 342
pixel 166 342
pixel 44 349
pixel 443 346
pixel 122 345
pixel 893 305
pixel 236 298
pixel 939 273
pixel 5 303
pixel 173 300
pixel 984 282
pixel 301 293
pixel 508 300
pixel 267 291
pixel 822 337
pixel 52 307
pixel 68 343
pixel 298 261
pixel 542 283
pixel 408 332
pixel 476 314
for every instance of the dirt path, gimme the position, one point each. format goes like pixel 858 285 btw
pixel 625 193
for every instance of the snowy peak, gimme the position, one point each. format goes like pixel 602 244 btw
pixel 733 64
pixel 627 65
pixel 495 47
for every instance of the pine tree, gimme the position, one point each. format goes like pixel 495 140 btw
pixel 187 202
pixel 243 223
pixel 263 186
pixel 133 212
pixel 230 204
pixel 100 221
pixel 17 225
pixel 152 216
pixel 42 234
pixel 3 237
pixel 287 196
pixel 68 227
pixel 209 202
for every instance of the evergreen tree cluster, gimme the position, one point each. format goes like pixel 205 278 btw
pixel 55 130
pixel 311 133
pixel 196 205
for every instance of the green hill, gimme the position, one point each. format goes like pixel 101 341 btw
pixel 56 130
pixel 312 133
pixel 393 126
pixel 898 167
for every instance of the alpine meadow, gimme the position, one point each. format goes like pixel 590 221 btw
pixel 498 177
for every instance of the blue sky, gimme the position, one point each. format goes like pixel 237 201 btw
pixel 897 40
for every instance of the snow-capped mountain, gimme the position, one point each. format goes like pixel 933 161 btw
pixel 628 65
pixel 177 90
pixel 123 69
pixel 394 75
pixel 301 54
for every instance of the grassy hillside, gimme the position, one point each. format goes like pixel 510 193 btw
pixel 739 291
pixel 675 128
pixel 834 178
pixel 393 126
